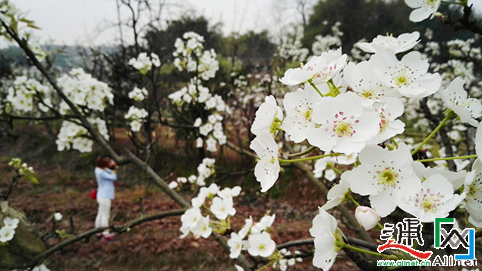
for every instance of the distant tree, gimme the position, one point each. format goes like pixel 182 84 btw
pixel 253 49
pixel 359 18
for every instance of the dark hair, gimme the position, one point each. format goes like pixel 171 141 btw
pixel 103 161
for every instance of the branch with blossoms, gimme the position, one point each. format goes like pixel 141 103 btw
pixel 86 235
pixel 103 143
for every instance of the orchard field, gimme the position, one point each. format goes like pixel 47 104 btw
pixel 345 139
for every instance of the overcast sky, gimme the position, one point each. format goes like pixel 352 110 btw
pixel 86 22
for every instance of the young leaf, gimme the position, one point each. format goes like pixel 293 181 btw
pixel 32 178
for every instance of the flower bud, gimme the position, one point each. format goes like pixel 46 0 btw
pixel 366 217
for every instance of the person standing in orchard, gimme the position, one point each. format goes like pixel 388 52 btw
pixel 106 176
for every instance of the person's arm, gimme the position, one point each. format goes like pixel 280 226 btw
pixel 108 175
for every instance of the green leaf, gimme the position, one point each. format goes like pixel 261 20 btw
pixel 26 21
pixel 32 178
pixel 33 26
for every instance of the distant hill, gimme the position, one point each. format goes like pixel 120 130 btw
pixel 65 57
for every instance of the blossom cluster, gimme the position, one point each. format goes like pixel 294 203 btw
pixel 136 116
pixel 23 168
pixel 347 109
pixel 256 240
pixel 221 206
pixel 138 94
pixel 205 170
pixel 84 91
pixel 143 63
pixel 212 130
pixel 27 94
pixel 8 230
pixel 195 93
pixel 293 49
pixel 327 42
pixel 72 135
pixel 191 56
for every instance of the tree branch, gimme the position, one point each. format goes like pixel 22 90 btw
pixel 464 22
pixel 118 229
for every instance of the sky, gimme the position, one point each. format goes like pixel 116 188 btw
pixel 92 22
pixel 87 22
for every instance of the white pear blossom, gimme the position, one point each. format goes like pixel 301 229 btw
pixel 423 9
pixel 206 129
pixel 473 189
pixel 366 217
pixel 202 229
pixel 199 142
pixel 455 98
pixel 235 245
pixel 456 178
pixel 136 116
pixel 82 144
pixel 478 140
pixel 223 207
pixel 267 168
pixel 229 192
pixel 267 117
pixel 261 245
pixel 211 144
pixel 401 44
pixel 10 223
pixel 363 80
pixel 336 195
pixel 192 179
pixel 320 69
pixel 347 159
pixel 197 122
pixel 189 220
pixel 344 124
pixel 330 175
pixel 57 216
pixel 435 199
pixel 41 267
pixel 173 184
pixel 324 230
pixel 263 224
pixel 389 111
pixel 299 107
pixel 246 228
pixel 138 94
pixel 321 165
pixel 385 175
pixel 6 234
pixel 408 76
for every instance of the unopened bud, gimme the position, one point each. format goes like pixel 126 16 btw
pixel 366 217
